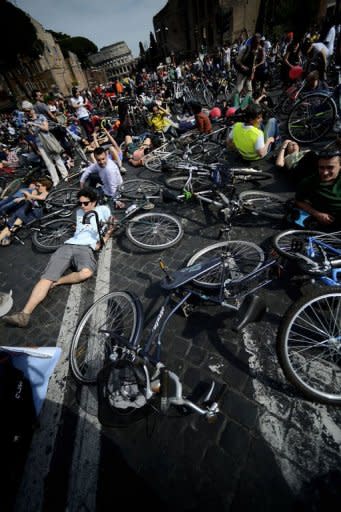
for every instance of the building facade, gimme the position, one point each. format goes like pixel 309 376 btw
pixel 116 60
pixel 51 71
pixel 186 27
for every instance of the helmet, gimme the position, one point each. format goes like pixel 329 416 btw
pixel 230 111
pixel 295 72
pixel 215 113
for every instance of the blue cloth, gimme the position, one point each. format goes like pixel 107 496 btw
pixel 37 365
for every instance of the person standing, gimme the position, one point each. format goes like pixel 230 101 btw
pixel 83 115
pixel 38 127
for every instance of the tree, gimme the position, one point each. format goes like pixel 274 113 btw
pixel 14 21
pixel 81 46
pixel 142 50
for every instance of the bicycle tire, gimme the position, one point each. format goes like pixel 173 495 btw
pixel 139 188
pixel 79 151
pixel 207 152
pixel 154 231
pixel 52 234
pixel 155 163
pixel 63 196
pixel 311 118
pixel 11 188
pixel 266 204
pixel 309 347
pixel 285 242
pixel 118 312
pixel 244 258
pixel 197 183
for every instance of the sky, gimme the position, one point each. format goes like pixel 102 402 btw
pixel 104 22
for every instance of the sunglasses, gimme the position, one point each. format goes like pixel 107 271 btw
pixel 84 203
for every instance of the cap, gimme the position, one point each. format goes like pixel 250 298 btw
pixel 26 105
pixel 6 303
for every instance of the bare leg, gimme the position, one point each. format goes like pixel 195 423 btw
pixel 74 277
pixel 38 294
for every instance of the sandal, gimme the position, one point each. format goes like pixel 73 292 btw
pixel 6 241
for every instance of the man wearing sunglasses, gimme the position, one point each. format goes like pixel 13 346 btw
pixel 77 252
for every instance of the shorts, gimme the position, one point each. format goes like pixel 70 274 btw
pixel 131 148
pixel 80 256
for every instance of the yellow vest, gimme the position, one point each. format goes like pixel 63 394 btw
pixel 245 138
pixel 159 122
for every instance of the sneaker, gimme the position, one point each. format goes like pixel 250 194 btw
pixel 123 170
pixel 20 319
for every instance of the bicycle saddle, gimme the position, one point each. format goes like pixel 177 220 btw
pixel 186 274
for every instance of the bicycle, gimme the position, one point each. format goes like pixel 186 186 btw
pixel 315 114
pixel 51 230
pixel 317 253
pixel 191 177
pixel 109 335
pixel 309 345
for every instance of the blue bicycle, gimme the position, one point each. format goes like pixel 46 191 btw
pixel 309 336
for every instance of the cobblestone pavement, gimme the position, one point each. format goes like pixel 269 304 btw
pixel 270 447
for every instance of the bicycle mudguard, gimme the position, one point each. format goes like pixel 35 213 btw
pixel 252 309
pixel 186 274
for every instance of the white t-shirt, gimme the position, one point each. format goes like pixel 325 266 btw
pixel 81 111
pixel 87 234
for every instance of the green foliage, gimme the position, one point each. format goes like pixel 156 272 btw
pixel 18 36
pixel 81 46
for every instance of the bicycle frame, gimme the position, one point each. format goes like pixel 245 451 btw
pixel 330 265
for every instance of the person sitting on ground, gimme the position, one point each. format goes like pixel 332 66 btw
pixel 202 121
pixel 13 200
pixel 32 209
pixel 160 121
pixel 106 172
pixel 110 145
pixel 8 159
pixel 300 162
pixel 78 251
pixel 320 194
pixel 249 139
pixel 136 151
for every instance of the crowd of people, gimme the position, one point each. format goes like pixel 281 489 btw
pixel 41 120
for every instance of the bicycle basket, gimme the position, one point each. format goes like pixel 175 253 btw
pixel 121 398
pixel 221 175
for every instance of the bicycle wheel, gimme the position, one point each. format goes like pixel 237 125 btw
pixel 11 188
pixel 79 151
pixel 53 234
pixel 309 345
pixel 196 184
pixel 267 204
pixel 139 189
pixel 63 196
pixel 311 118
pixel 114 319
pixel 240 258
pixel 207 152
pixel 154 231
pixel 294 242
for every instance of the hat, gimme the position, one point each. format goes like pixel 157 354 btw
pixel 26 105
pixel 6 303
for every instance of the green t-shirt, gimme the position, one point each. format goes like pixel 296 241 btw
pixel 324 197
